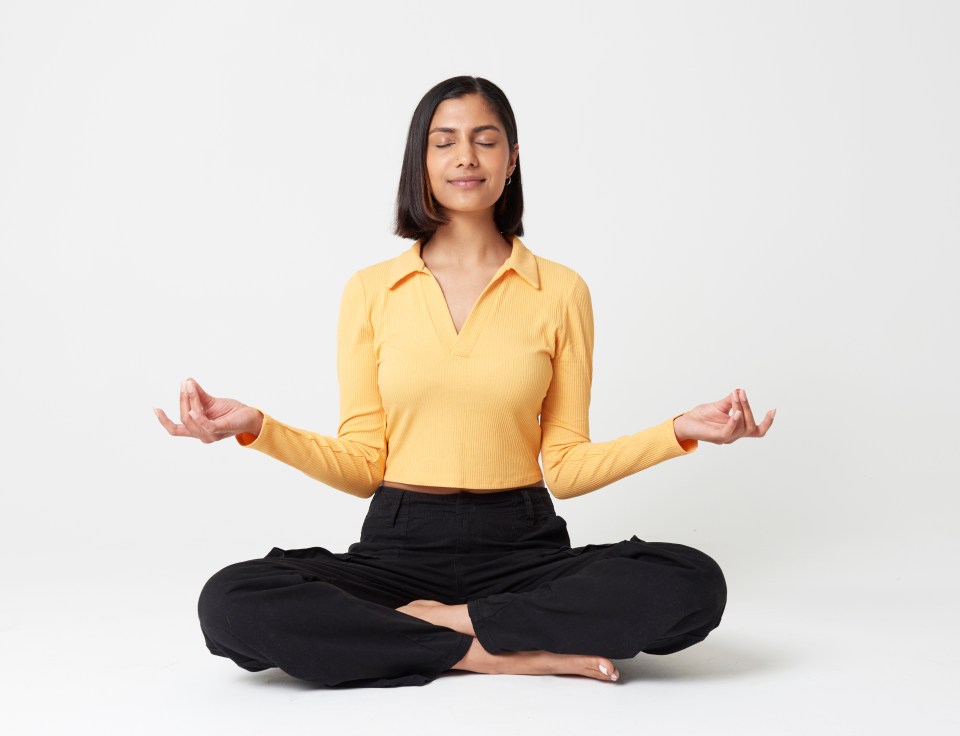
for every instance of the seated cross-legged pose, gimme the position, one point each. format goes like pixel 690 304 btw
pixel 461 363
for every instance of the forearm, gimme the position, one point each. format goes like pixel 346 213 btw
pixel 354 466
pixel 582 467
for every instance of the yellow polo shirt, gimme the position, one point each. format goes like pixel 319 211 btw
pixel 423 404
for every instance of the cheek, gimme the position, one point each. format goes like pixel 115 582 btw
pixel 500 164
pixel 434 169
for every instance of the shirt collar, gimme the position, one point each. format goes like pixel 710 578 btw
pixel 521 260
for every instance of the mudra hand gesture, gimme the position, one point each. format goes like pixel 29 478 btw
pixel 208 418
pixel 722 422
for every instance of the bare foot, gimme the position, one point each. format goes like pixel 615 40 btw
pixel 479 659
pixel 440 614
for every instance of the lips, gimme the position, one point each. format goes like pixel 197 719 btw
pixel 469 182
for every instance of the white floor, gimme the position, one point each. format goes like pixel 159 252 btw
pixel 800 658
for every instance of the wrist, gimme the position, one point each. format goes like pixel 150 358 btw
pixel 257 424
pixel 677 431
pixel 250 432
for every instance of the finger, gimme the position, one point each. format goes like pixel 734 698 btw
pixel 205 398
pixel 209 428
pixel 184 402
pixel 177 430
pixel 198 416
pixel 187 418
pixel 193 430
pixel 729 432
pixel 738 413
pixel 766 423
pixel 749 425
pixel 193 398
pixel 190 426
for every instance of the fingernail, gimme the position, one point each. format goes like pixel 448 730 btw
pixel 614 677
pixel 604 670
pixel 192 413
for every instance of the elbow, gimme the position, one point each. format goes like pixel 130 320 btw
pixel 364 476
pixel 360 487
pixel 562 493
pixel 377 470
pixel 564 471
pixel 366 491
pixel 554 484
pixel 561 486
pixel 368 485
pixel 375 482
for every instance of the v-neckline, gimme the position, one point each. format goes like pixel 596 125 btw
pixel 459 343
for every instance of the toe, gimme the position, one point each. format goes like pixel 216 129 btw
pixel 606 668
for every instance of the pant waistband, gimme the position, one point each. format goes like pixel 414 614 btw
pixel 534 498
pixel 464 496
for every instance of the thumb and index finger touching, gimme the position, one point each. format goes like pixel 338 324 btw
pixel 738 406
pixel 200 392
pixel 192 401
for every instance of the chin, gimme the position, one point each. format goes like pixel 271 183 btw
pixel 467 204
pixel 469 209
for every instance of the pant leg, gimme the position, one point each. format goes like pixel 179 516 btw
pixel 614 600
pixel 324 617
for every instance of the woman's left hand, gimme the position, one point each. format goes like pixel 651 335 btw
pixel 722 422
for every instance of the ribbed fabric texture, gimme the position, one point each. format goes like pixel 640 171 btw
pixel 423 404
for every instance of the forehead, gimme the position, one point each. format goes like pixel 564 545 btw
pixel 464 112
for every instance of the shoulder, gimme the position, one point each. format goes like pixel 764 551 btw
pixel 371 280
pixel 374 275
pixel 565 295
pixel 559 280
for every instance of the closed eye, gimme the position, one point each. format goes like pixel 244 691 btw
pixel 445 145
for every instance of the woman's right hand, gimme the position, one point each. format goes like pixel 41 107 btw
pixel 208 418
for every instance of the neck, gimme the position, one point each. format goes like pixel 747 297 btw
pixel 467 241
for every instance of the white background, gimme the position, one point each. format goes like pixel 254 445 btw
pixel 761 195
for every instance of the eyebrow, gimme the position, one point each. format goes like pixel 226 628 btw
pixel 475 130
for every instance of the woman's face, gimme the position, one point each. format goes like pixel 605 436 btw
pixel 466 139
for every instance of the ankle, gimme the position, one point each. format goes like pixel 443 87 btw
pixel 478 659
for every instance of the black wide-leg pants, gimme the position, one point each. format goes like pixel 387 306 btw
pixel 329 617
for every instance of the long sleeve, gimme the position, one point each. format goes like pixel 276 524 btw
pixel 572 464
pixel 355 460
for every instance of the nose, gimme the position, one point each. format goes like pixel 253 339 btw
pixel 466 154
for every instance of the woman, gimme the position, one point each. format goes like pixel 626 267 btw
pixel 447 357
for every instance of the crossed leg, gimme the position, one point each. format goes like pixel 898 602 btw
pixel 322 618
pixel 329 620
pixel 478 659
pixel 618 599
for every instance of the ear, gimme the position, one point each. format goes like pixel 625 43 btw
pixel 513 159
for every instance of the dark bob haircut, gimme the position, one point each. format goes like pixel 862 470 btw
pixel 418 212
